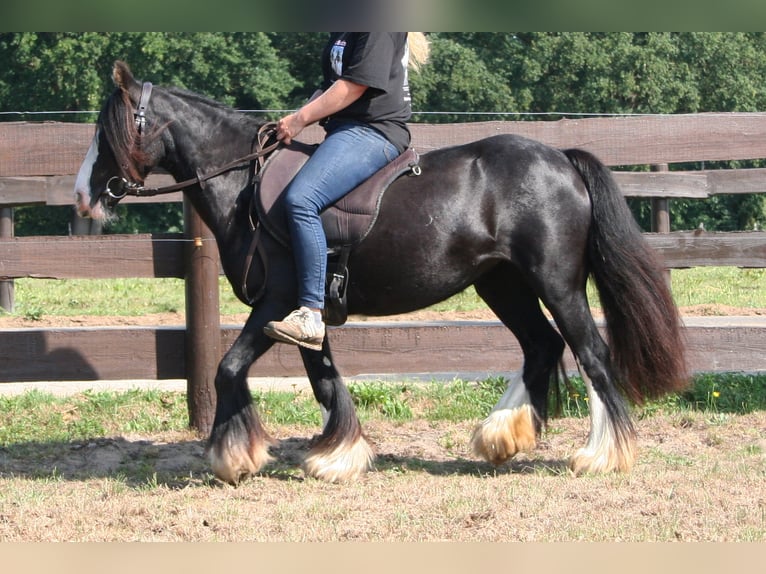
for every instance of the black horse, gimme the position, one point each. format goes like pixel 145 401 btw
pixel 520 221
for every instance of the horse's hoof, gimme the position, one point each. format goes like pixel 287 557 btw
pixel 345 462
pixel 235 462
pixel 504 433
pixel 604 457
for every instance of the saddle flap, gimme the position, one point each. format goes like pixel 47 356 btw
pixel 278 171
pixel 346 222
pixel 350 219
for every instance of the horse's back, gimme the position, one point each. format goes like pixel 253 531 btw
pixel 501 199
pixel 506 174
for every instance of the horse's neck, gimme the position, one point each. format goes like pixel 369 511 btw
pixel 201 143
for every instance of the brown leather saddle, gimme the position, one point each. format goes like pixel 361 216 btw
pixel 346 223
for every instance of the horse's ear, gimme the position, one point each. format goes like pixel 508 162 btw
pixel 123 77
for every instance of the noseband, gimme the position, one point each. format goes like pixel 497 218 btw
pixel 118 187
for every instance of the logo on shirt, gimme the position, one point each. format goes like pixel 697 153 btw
pixel 336 57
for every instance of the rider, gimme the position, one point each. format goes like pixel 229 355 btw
pixel 363 105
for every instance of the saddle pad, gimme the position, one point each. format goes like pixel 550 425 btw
pixel 346 222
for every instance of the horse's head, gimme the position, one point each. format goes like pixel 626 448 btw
pixel 124 148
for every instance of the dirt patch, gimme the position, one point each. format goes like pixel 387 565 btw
pixel 699 477
pixel 20 322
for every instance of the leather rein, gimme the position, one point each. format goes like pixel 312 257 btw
pixel 123 187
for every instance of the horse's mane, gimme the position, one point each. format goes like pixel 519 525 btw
pixel 127 144
pixel 196 100
pixel 118 124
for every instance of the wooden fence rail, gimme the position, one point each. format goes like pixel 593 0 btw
pixel 38 163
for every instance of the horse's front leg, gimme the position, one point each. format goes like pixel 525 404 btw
pixel 341 453
pixel 239 445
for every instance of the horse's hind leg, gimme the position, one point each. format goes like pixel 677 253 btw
pixel 341 453
pixel 516 420
pixel 611 441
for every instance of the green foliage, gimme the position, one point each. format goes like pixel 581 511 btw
pixel 38 417
pixel 42 220
pixel 728 393
pixel 381 398
pixel 494 74
pixel 70 71
pixel 148 218
pixel 461 400
pixel 41 417
pixel 712 393
pixel 450 81
pixel 300 52
pixel 287 408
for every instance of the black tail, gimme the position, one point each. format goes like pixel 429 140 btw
pixel 643 324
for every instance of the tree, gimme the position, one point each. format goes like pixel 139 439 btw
pixel 239 69
pixel 526 73
pixel 456 80
pixel 72 72
pixel 301 52
pixel 52 71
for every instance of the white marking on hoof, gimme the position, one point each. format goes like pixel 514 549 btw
pixel 236 462
pixel 608 448
pixel 604 455
pixel 503 434
pixel 344 463
pixel 509 428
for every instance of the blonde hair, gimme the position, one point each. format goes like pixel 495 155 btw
pixel 418 46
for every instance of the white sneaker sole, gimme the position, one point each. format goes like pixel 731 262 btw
pixel 284 338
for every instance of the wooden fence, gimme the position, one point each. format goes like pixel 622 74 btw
pixel 37 166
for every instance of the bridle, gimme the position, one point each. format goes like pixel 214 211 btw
pixel 117 187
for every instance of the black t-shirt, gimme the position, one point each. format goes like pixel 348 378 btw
pixel 377 60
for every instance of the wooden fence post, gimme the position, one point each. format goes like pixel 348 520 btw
pixel 661 212
pixel 6 231
pixel 660 209
pixel 203 323
pixel 86 226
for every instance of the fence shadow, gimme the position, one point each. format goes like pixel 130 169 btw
pixel 181 464
pixel 135 462
pixel 26 355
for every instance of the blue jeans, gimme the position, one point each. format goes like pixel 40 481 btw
pixel 350 153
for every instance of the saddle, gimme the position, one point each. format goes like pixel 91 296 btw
pixel 346 223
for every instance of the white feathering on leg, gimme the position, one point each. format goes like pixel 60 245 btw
pixel 607 449
pixel 509 428
pixel 345 463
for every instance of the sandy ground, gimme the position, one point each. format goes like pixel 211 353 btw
pixel 20 322
pixel 698 478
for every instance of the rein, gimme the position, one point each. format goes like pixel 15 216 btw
pixel 125 187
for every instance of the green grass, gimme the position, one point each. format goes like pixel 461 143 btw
pixel 719 285
pixel 35 416
pixel 41 418
pixel 37 298
pixel 714 393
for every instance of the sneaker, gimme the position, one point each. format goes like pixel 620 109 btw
pixel 298 328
